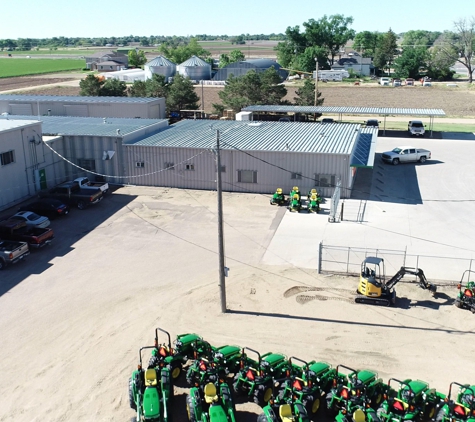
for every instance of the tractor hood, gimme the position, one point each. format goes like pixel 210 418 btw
pixel 229 350
pixel 418 386
pixel 319 367
pixel 273 358
pixel 217 414
pixel 366 376
pixel 151 403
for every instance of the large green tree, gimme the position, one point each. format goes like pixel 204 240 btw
pixel 306 94
pixel 182 95
pixel 410 63
pixel 439 65
pixel 459 45
pixel 330 34
pixel 182 52
pixel 386 51
pixel 136 58
pixel 113 88
pixel 252 88
pixel 419 38
pixel 233 57
pixel 91 86
pixel 367 42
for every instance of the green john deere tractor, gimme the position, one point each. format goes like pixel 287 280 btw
pixel 278 198
pixel 309 385
pixel 353 383
pixel 256 377
pixel 210 401
pixel 295 203
pixel 462 409
pixel 412 401
pixel 165 355
pixel 466 297
pixel 225 359
pixel 313 204
pixel 151 392
pixel 285 407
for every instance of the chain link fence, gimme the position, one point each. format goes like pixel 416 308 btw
pixel 347 260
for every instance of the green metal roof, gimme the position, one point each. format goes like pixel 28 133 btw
pixel 259 136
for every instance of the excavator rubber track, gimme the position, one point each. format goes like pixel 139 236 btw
pixel 377 301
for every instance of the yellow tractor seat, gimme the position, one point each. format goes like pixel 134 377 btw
pixel 295 188
pixel 279 191
pixel 150 378
pixel 285 413
pixel 359 416
pixel 313 191
pixel 210 393
pixel 313 197
pixel 296 197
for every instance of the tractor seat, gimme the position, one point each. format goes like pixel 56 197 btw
pixel 210 393
pixel 150 378
pixel 359 416
pixel 285 413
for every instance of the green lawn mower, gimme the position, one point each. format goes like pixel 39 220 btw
pixel 256 377
pixel 285 407
pixel 151 392
pixel 353 384
pixel 278 198
pixel 225 359
pixel 466 297
pixel 295 204
pixel 462 409
pixel 413 400
pixel 210 402
pixel 309 386
pixel 313 204
pixel 356 407
pixel 165 355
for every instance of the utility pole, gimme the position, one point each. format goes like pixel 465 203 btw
pixel 316 81
pixel 222 285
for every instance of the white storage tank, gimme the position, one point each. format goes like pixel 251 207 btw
pixel 195 68
pixel 160 66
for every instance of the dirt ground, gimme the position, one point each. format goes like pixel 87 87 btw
pixel 73 316
pixel 456 102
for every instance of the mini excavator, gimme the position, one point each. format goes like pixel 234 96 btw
pixel 373 289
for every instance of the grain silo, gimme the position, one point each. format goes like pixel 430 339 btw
pixel 160 66
pixel 195 68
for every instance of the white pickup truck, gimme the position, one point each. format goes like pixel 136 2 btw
pixel 84 183
pixel 416 128
pixel 406 155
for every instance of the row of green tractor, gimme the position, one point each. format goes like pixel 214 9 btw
pixel 287 389
pixel 295 202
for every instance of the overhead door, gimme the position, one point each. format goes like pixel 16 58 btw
pixel 77 110
pixel 21 109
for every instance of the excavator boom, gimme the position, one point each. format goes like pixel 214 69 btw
pixel 423 283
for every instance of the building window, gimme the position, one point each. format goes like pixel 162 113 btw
pixel 87 164
pixel 169 166
pixel 325 180
pixel 190 167
pixel 7 157
pixel 247 176
pixel 140 164
pixel 223 169
pixel 296 176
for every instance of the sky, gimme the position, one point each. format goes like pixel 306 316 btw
pixel 103 18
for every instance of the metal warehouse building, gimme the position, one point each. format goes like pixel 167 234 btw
pixel 38 153
pixel 56 105
pixel 255 157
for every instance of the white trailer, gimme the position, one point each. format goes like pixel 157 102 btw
pixel 331 75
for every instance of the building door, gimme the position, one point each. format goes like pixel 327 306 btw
pixel 42 177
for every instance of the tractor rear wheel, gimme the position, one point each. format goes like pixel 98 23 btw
pixel 262 418
pixel 175 370
pixel 131 395
pixel 312 405
pixel 457 302
pixel 430 411
pixel 190 410
pixel 262 394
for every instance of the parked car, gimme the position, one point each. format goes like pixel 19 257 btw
pixel 406 155
pixel 17 230
pixel 384 81
pixel 328 120
pixel 397 82
pixel 372 123
pixel 72 194
pixel 12 252
pixel 31 219
pixel 85 183
pixel 49 207
pixel 410 82
pixel 416 128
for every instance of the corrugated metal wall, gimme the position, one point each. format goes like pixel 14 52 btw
pixel 203 176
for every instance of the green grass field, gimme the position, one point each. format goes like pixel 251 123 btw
pixel 46 51
pixel 10 67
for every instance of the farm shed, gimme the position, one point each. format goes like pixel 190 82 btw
pixel 195 69
pixel 256 157
pixel 49 149
pixel 160 66
pixel 58 105
pixel 128 75
pixel 241 68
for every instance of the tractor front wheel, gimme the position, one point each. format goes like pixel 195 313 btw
pixel 236 388
pixel 380 412
pixel 132 403
pixel 458 303
pixel 441 415
pixel 190 410
pixel 331 411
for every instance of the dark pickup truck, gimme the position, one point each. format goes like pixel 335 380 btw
pixel 72 194
pixel 18 230
pixel 12 252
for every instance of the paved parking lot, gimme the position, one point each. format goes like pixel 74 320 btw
pixel 73 316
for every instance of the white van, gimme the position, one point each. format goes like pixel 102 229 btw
pixel 384 81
